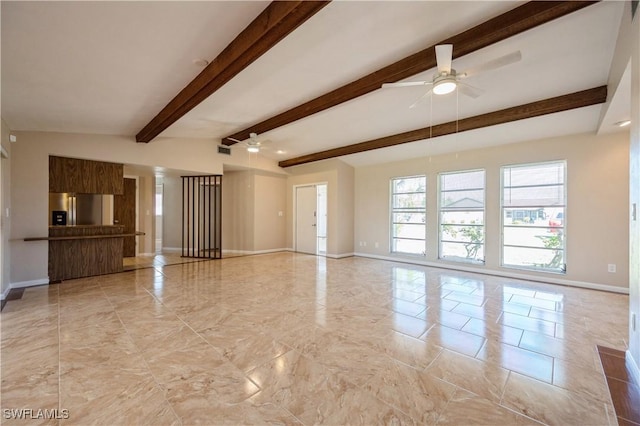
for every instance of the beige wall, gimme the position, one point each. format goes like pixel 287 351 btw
pixel 339 178
pixel 597 193
pixel 172 214
pixel 5 203
pixel 251 202
pixel 238 211
pixel 270 201
pixel 634 276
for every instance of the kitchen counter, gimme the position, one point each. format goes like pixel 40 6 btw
pixel 84 250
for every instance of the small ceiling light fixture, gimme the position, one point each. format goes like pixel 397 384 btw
pixel 445 84
pixel 281 152
pixel 623 123
pixel 253 149
pixel 200 62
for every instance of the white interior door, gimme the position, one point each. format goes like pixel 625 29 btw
pixel 306 225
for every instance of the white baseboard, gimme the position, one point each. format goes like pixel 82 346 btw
pixel 506 274
pixel 171 249
pixel 632 365
pixel 339 256
pixel 32 283
pixel 251 252
pixel 5 293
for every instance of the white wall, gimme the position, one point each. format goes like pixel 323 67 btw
pixel 634 275
pixel 5 203
pixel 596 223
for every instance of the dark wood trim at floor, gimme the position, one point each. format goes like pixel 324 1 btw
pixel 623 386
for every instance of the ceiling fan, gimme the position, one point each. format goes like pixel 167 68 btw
pixel 253 144
pixel 447 79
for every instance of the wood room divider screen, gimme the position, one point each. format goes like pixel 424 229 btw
pixel 202 216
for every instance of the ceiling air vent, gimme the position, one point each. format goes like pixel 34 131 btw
pixel 224 150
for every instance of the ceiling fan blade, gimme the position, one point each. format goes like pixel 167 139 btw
pixel 493 64
pixel 235 140
pixel 413 105
pixel 444 53
pixel 468 90
pixel 405 84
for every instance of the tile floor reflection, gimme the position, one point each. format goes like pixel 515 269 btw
pixel 295 339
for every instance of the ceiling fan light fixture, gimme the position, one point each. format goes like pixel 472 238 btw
pixel 444 86
pixel 253 149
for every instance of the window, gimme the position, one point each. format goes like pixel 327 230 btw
pixel 533 215
pixel 462 216
pixel 408 215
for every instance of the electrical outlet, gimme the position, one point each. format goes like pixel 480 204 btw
pixel 611 268
pixel 377 245
pixel 364 243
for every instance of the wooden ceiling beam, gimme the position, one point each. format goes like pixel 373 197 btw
pixel 274 23
pixel 575 100
pixel 518 20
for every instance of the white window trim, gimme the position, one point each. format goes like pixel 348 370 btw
pixel 391 211
pixel 484 224
pixel 564 225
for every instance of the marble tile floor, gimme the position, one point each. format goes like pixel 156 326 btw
pixel 159 260
pixel 287 338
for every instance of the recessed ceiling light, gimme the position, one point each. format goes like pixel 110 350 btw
pixel 281 152
pixel 623 123
pixel 200 62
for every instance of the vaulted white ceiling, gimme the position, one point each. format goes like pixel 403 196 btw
pixel 109 67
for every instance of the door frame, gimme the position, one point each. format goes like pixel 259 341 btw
pixel 295 212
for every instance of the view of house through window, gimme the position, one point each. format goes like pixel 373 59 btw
pixel 533 215
pixel 408 215
pixel 462 216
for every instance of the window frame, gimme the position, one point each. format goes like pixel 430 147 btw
pixel 563 269
pixel 393 210
pixel 484 210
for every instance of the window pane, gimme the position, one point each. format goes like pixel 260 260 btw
pixel 534 258
pixel 533 214
pixel 408 246
pixel 462 233
pixel 411 184
pixel 462 251
pixel 409 231
pixel 408 201
pixel 462 215
pixel 533 237
pixel 409 218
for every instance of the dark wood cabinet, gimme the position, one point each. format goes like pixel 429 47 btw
pixel 85 176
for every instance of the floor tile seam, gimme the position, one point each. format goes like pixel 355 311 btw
pixel 503 403
pixel 628 420
pixel 59 355
pixel 622 381
pixel 161 387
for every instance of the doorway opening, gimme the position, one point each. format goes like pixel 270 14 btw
pixel 311 219
pixel 159 200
